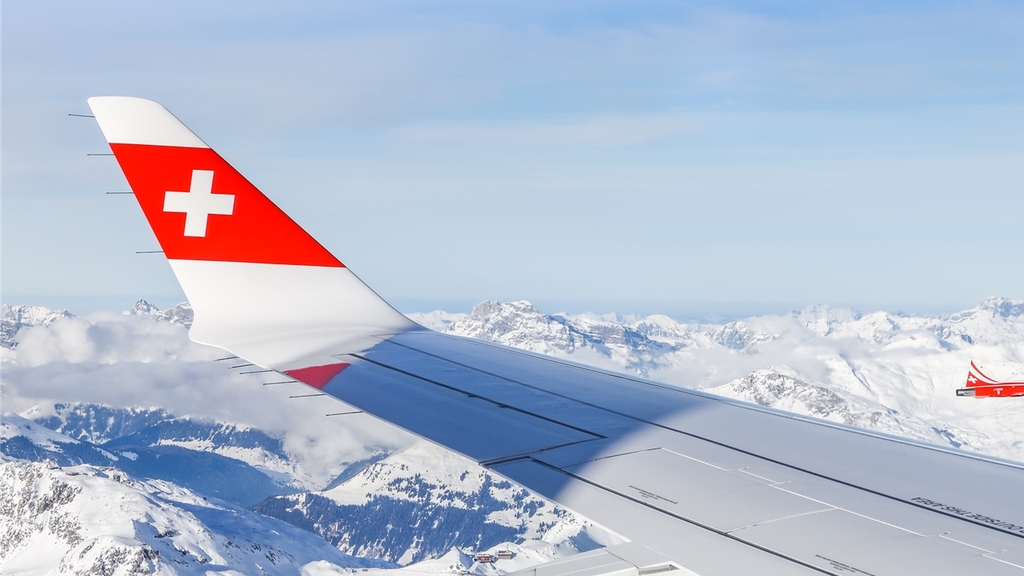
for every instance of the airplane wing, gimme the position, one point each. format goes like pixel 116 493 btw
pixel 696 483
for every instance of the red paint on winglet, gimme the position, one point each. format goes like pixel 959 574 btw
pixel 317 376
pixel 249 228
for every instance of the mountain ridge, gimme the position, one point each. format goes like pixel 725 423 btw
pixel 890 372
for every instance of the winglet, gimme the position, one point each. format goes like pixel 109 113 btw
pixel 199 207
pixel 127 120
pixel 259 284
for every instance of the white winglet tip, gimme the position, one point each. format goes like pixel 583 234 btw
pixel 129 120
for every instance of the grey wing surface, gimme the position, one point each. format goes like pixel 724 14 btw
pixel 695 481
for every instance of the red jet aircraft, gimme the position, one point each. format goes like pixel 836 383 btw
pixel 981 386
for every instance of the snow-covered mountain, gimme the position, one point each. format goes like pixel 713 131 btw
pixel 153 429
pixel 438 319
pixel 27 440
pixel 132 503
pixel 86 520
pixel 134 410
pixel 151 451
pixel 181 314
pixel 447 501
pixel 14 318
pixel 890 372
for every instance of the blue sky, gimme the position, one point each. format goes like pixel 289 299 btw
pixel 681 157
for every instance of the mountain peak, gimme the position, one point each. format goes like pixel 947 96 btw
pixel 490 308
pixel 14 318
pixel 1003 307
pixel 143 308
pixel 181 314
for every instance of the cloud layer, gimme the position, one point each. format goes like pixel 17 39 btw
pixel 125 361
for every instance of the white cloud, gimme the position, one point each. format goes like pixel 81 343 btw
pixel 126 361
pixel 107 338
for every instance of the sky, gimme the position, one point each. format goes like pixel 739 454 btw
pixel 690 158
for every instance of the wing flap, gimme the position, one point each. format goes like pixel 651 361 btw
pixel 821 539
pixel 725 500
pixel 844 542
pixel 629 559
pixel 687 544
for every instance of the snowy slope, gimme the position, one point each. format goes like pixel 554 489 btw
pixel 445 501
pixel 90 520
pixel 124 429
pixel 412 506
pixel 28 440
pixel 14 318
pixel 223 477
pixel 437 320
pixel 408 507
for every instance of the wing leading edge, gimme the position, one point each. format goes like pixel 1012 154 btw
pixel 697 483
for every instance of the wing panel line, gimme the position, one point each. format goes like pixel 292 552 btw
pixel 690 521
pixel 503 405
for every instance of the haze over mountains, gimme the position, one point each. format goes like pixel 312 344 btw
pixel 108 417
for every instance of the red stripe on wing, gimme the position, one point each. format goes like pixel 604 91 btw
pixel 317 376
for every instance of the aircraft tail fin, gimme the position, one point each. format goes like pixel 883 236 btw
pixel 259 284
pixel 975 377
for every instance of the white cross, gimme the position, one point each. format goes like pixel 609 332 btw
pixel 199 202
